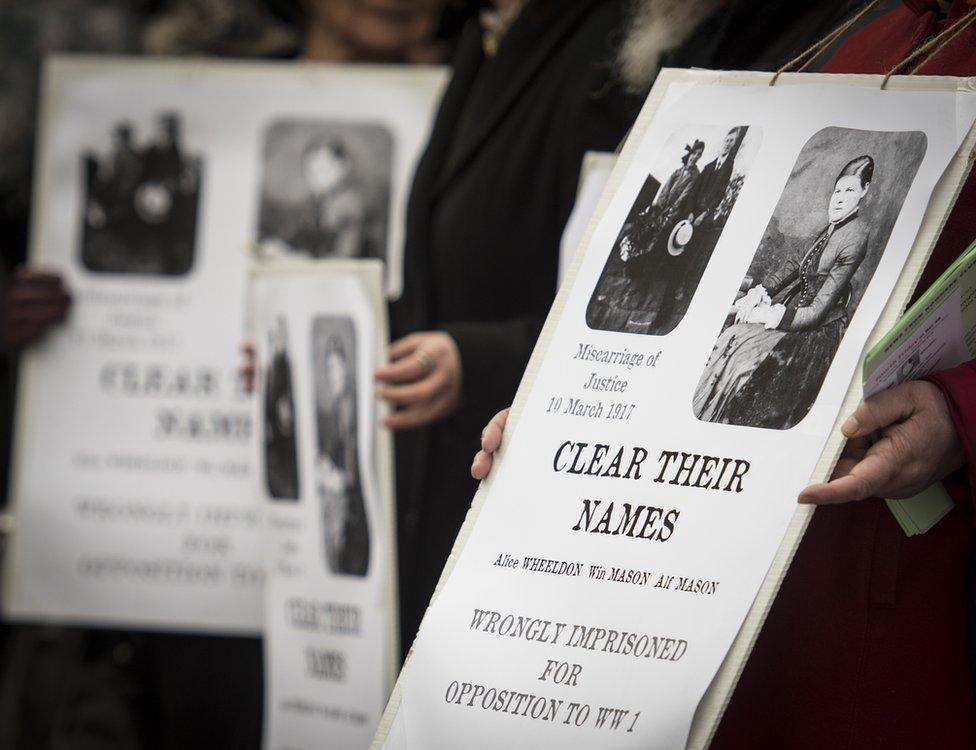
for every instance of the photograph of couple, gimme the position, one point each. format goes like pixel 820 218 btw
pixel 672 229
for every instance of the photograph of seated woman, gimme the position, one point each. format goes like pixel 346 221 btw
pixel 326 190
pixel 779 340
pixel 280 446
pixel 664 246
pixel 339 486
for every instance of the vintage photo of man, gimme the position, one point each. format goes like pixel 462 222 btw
pixel 141 201
pixel 338 480
pixel 280 428
pixel 326 190
pixel 806 280
pixel 672 229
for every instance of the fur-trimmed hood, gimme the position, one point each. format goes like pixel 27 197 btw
pixel 656 26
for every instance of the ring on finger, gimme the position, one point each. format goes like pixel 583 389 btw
pixel 426 361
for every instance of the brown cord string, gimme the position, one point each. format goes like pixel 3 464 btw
pixel 939 42
pixel 817 48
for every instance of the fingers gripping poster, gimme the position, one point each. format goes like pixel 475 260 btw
pixel 133 470
pixel 680 397
pixel 326 487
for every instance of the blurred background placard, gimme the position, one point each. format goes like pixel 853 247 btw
pixel 325 473
pixel 133 477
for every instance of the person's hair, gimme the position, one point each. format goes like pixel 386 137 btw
pixel 697 145
pixel 862 167
pixel 326 143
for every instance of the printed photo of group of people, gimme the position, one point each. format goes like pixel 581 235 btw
pixel 805 281
pixel 141 202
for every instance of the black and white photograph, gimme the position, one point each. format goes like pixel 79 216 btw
pixel 325 190
pixel 816 258
pixel 141 200
pixel 338 479
pixel 671 231
pixel 280 428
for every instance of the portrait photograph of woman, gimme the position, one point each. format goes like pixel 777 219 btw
pixel 337 470
pixel 806 280
pixel 326 190
pixel 661 252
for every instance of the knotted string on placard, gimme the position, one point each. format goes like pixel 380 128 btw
pixel 933 47
pixel 811 53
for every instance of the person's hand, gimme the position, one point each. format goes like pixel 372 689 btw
pixel 423 379
pixel 755 297
pixel 766 315
pixel 918 446
pixel 35 301
pixel 491 438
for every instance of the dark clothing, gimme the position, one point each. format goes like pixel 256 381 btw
pixel 490 199
pixel 816 287
pixel 866 645
pixel 280 447
pixel 758 34
pixel 711 189
pixel 112 690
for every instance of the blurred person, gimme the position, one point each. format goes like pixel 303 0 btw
pixel 107 689
pixel 534 88
pixel 242 28
pixel 890 666
pixel 866 642
pixel 396 31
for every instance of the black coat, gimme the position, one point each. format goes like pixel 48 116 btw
pixel 712 187
pixel 489 202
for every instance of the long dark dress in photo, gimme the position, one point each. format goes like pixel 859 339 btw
pixel 634 285
pixel 770 377
pixel 280 449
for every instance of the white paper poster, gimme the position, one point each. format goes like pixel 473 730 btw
pixel 133 475
pixel 679 400
pixel 325 482
pixel 596 170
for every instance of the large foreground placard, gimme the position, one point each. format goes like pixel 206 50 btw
pixel 682 394
pixel 325 481
pixel 133 474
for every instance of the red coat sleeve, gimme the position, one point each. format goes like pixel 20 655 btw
pixel 958 385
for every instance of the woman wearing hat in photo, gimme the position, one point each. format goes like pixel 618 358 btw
pixel 673 199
